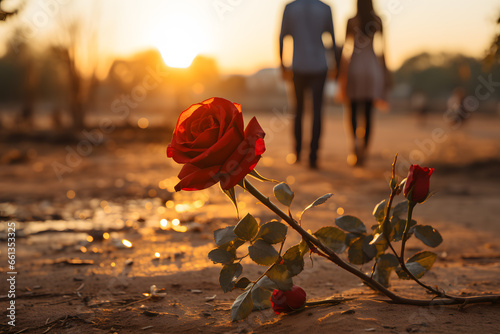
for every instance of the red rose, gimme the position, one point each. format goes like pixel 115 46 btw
pixel 288 301
pixel 210 141
pixel 418 183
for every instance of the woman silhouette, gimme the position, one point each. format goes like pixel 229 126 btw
pixel 362 76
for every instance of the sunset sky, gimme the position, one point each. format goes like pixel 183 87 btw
pixel 243 35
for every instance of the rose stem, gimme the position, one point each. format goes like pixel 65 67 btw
pixel 328 253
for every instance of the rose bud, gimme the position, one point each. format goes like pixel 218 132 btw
pixel 418 183
pixel 288 301
pixel 211 142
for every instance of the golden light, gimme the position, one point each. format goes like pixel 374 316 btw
pixel 83 249
pixel 163 224
pixel 90 238
pixel 340 211
pixel 70 194
pixel 170 204
pixel 143 123
pixel 179 37
pixel 291 158
pixel 157 255
pixel 126 243
pixel 198 204
pixel 176 226
pixel 180 229
pixel 182 207
pixel 105 235
pixel 352 159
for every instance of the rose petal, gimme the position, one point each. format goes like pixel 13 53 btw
pixel 221 151
pixel 194 178
pixel 204 151
pixel 245 157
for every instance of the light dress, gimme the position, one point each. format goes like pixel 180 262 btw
pixel 365 74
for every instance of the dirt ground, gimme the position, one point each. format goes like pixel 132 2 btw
pixel 74 203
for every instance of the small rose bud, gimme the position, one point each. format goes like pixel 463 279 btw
pixel 288 301
pixel 418 183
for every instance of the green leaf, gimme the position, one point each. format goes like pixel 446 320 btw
pixel 318 201
pixel 351 224
pixel 377 238
pixel 261 298
pixel 259 177
pixel 283 194
pixel 242 283
pixel 221 256
pixel 242 306
pixel 231 194
pixel 293 259
pixel 388 261
pixel 350 237
pixel 398 226
pixel 385 265
pixel 418 264
pixel 379 210
pixel 380 243
pixel 263 253
pixel 361 251
pixel 247 228
pixel 400 210
pixel 266 283
pixel 280 275
pixel 303 247
pixel 332 237
pixel 237 243
pixel 224 235
pixel 228 275
pixel 272 232
pixel 387 229
pixel 428 235
pixel 370 250
pixel 232 246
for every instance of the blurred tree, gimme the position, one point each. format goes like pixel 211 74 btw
pixel 493 54
pixel 437 75
pixel 76 46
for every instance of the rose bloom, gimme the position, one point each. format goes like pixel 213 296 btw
pixel 418 183
pixel 211 142
pixel 288 301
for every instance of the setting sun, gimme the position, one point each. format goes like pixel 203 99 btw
pixel 178 40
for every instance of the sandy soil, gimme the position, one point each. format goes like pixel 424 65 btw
pixel 123 185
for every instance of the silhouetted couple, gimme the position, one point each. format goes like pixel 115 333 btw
pixel 361 75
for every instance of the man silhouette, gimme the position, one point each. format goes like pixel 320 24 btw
pixel 306 21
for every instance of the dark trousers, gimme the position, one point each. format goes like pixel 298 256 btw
pixel 368 106
pixel 302 82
